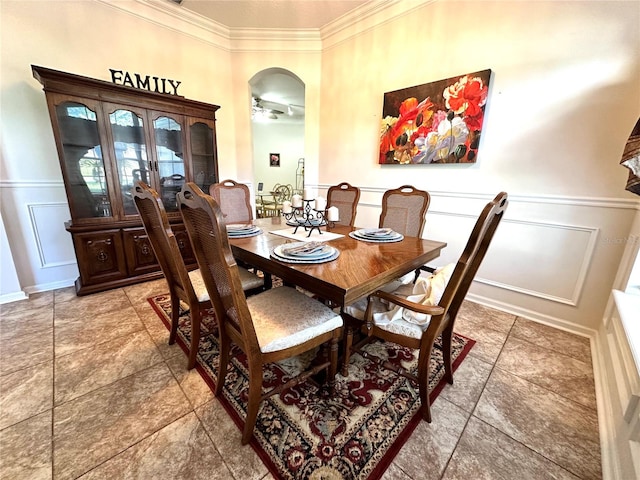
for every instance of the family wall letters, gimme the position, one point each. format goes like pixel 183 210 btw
pixel 153 84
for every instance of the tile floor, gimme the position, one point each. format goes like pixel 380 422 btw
pixel 89 388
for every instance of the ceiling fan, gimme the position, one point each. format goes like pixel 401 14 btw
pixel 258 110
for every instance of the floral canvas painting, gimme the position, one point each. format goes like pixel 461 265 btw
pixel 437 122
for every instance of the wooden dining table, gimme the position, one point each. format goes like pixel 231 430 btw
pixel 362 267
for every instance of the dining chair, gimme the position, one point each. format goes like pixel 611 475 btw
pixel 404 210
pixel 234 199
pixel 274 325
pixel 345 198
pixel 415 319
pixel 183 285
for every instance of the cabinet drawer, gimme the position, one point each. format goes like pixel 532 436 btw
pixel 139 252
pixel 100 256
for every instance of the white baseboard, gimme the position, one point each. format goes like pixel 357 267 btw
pixel 45 287
pixel 554 322
pixel 13 297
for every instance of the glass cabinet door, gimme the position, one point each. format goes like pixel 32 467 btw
pixel 83 162
pixel 170 157
pixel 203 157
pixel 130 150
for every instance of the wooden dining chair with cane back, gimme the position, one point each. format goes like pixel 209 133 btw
pixel 274 325
pixel 404 210
pixel 234 199
pixel 185 286
pixel 345 198
pixel 415 318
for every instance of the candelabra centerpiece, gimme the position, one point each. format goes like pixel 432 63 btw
pixel 309 212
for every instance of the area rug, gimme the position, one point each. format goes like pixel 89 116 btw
pixel 304 434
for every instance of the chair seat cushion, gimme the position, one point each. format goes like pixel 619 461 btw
pixel 249 281
pixel 395 319
pixel 198 285
pixel 284 317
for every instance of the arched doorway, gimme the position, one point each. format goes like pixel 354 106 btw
pixel 277 125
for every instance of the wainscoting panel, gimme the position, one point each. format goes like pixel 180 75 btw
pixel 34 214
pixel 562 254
pixel 553 258
pixel 52 243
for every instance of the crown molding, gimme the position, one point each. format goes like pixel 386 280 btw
pixel 268 39
pixel 365 17
pixel 173 17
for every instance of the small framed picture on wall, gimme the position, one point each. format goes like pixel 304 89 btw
pixel 274 159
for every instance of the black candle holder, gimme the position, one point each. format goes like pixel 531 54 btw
pixel 308 217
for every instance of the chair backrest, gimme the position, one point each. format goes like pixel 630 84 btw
pixel 345 198
pixel 208 234
pixel 234 200
pixel 282 193
pixel 473 254
pixel 404 210
pixel 162 239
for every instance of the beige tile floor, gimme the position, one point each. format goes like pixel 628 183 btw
pixel 89 388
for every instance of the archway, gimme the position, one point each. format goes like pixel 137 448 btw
pixel 277 125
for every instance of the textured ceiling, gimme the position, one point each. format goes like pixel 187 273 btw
pixel 277 14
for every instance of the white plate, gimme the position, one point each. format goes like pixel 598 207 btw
pixel 377 232
pixel 240 227
pixel 322 255
pixel 243 234
pixel 330 258
pixel 364 238
pixel 321 251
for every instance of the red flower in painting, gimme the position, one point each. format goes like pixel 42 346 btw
pixel 398 133
pixel 466 96
pixel 445 127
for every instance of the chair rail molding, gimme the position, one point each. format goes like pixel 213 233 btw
pixel 31 184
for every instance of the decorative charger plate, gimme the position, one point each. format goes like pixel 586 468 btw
pixel 376 235
pixel 238 230
pixel 296 253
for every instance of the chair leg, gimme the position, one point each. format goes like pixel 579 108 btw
pixel 348 342
pixel 175 317
pixel 223 360
pixel 255 394
pixel 447 338
pixel 333 364
pixel 196 316
pixel 423 387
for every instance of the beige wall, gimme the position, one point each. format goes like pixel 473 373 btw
pixel 565 93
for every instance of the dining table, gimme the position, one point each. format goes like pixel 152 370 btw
pixel 360 269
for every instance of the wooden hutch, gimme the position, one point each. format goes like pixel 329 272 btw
pixel 109 136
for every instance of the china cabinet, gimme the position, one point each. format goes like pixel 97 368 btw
pixel 109 136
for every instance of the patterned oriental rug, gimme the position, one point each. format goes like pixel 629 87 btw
pixel 303 434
